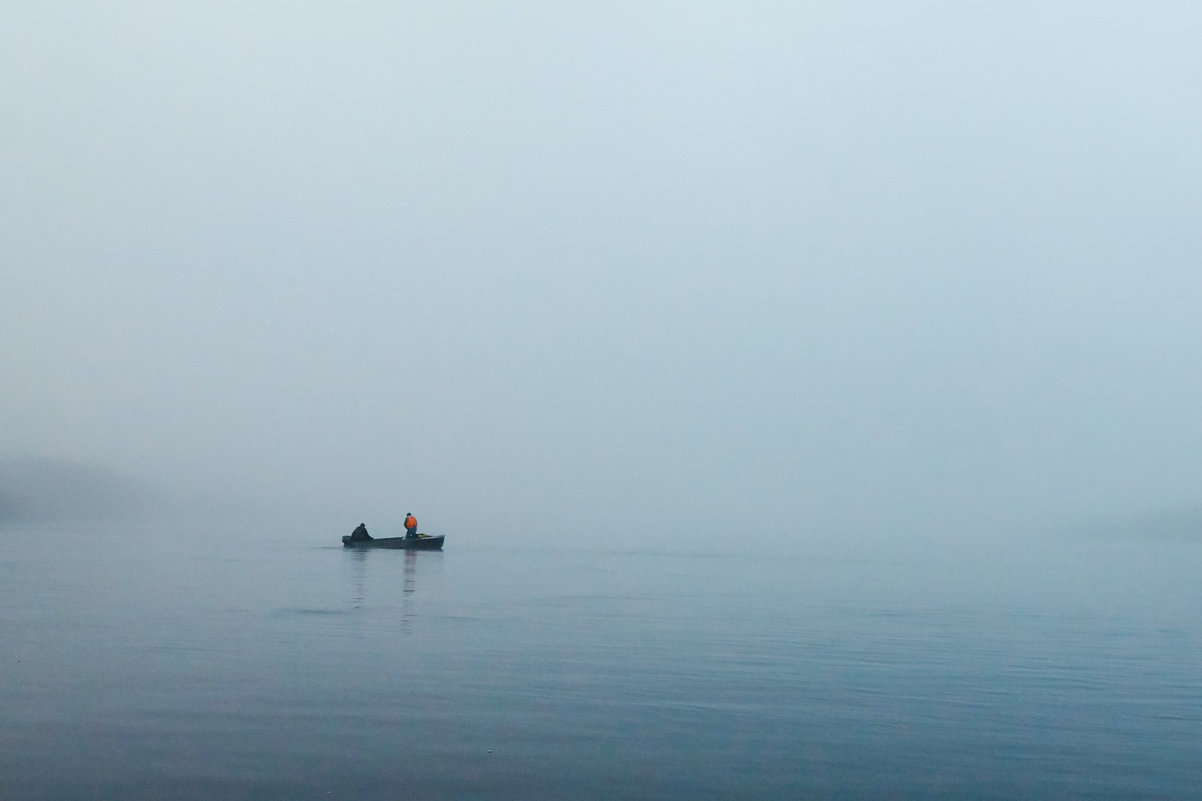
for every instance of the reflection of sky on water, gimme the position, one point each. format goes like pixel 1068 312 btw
pixel 268 669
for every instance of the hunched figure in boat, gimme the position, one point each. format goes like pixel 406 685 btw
pixel 360 534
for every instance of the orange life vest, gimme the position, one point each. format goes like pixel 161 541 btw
pixel 410 522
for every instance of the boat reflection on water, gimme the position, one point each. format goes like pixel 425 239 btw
pixel 410 572
pixel 374 574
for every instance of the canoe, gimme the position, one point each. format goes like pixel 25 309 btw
pixel 423 542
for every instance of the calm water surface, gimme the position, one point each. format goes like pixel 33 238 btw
pixel 194 664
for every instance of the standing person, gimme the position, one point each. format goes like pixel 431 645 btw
pixel 410 526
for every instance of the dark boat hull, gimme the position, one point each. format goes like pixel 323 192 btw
pixel 422 543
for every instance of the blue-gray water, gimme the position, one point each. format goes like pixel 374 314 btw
pixel 201 664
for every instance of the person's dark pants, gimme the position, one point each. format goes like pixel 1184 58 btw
pixel 411 533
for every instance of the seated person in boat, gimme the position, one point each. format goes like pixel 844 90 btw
pixel 360 534
pixel 410 526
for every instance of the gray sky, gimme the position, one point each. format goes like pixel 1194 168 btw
pixel 809 270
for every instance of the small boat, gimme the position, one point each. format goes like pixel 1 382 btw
pixel 423 542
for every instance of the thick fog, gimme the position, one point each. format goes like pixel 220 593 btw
pixel 797 271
